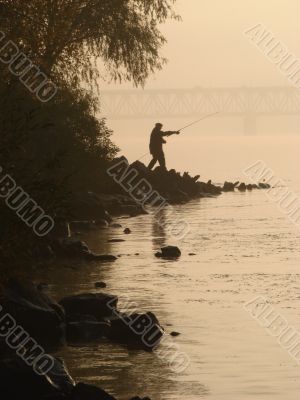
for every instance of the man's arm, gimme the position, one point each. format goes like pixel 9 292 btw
pixel 169 133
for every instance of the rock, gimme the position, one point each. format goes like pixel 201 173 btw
pixel 127 231
pixel 229 186
pixel 170 252
pixel 87 330
pixel 100 257
pixel 263 185
pixel 37 313
pixel 99 305
pixel 100 285
pixel 141 331
pixel 88 392
pixel 192 254
pixel 19 381
pixel 116 240
pixel 174 334
pixel 249 187
pixel 242 187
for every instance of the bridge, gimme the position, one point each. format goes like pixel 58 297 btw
pixel 246 102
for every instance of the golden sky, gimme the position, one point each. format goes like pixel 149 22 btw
pixel 208 47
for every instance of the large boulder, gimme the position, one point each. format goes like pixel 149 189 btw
pixel 142 331
pixel 99 305
pixel 37 313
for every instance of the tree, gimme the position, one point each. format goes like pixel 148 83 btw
pixel 66 37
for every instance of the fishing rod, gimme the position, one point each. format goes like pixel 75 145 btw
pixel 201 119
pixel 187 126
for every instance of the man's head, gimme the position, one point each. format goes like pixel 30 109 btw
pixel 158 125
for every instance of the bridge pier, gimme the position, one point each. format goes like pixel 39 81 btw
pixel 250 124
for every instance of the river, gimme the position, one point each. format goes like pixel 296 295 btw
pixel 244 247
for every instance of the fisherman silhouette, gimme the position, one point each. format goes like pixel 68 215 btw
pixel 156 145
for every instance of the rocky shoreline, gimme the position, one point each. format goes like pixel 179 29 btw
pixel 85 317
pixel 32 323
pixel 91 211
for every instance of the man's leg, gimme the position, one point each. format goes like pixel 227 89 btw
pixel 152 162
pixel 162 160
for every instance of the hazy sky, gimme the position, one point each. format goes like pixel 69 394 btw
pixel 208 47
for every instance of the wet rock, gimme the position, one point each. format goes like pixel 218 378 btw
pixel 100 285
pixel 100 257
pixel 99 305
pixel 116 240
pixel 174 334
pixel 170 252
pixel 36 312
pixel 141 331
pixel 127 231
pixel 192 254
pixel 249 187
